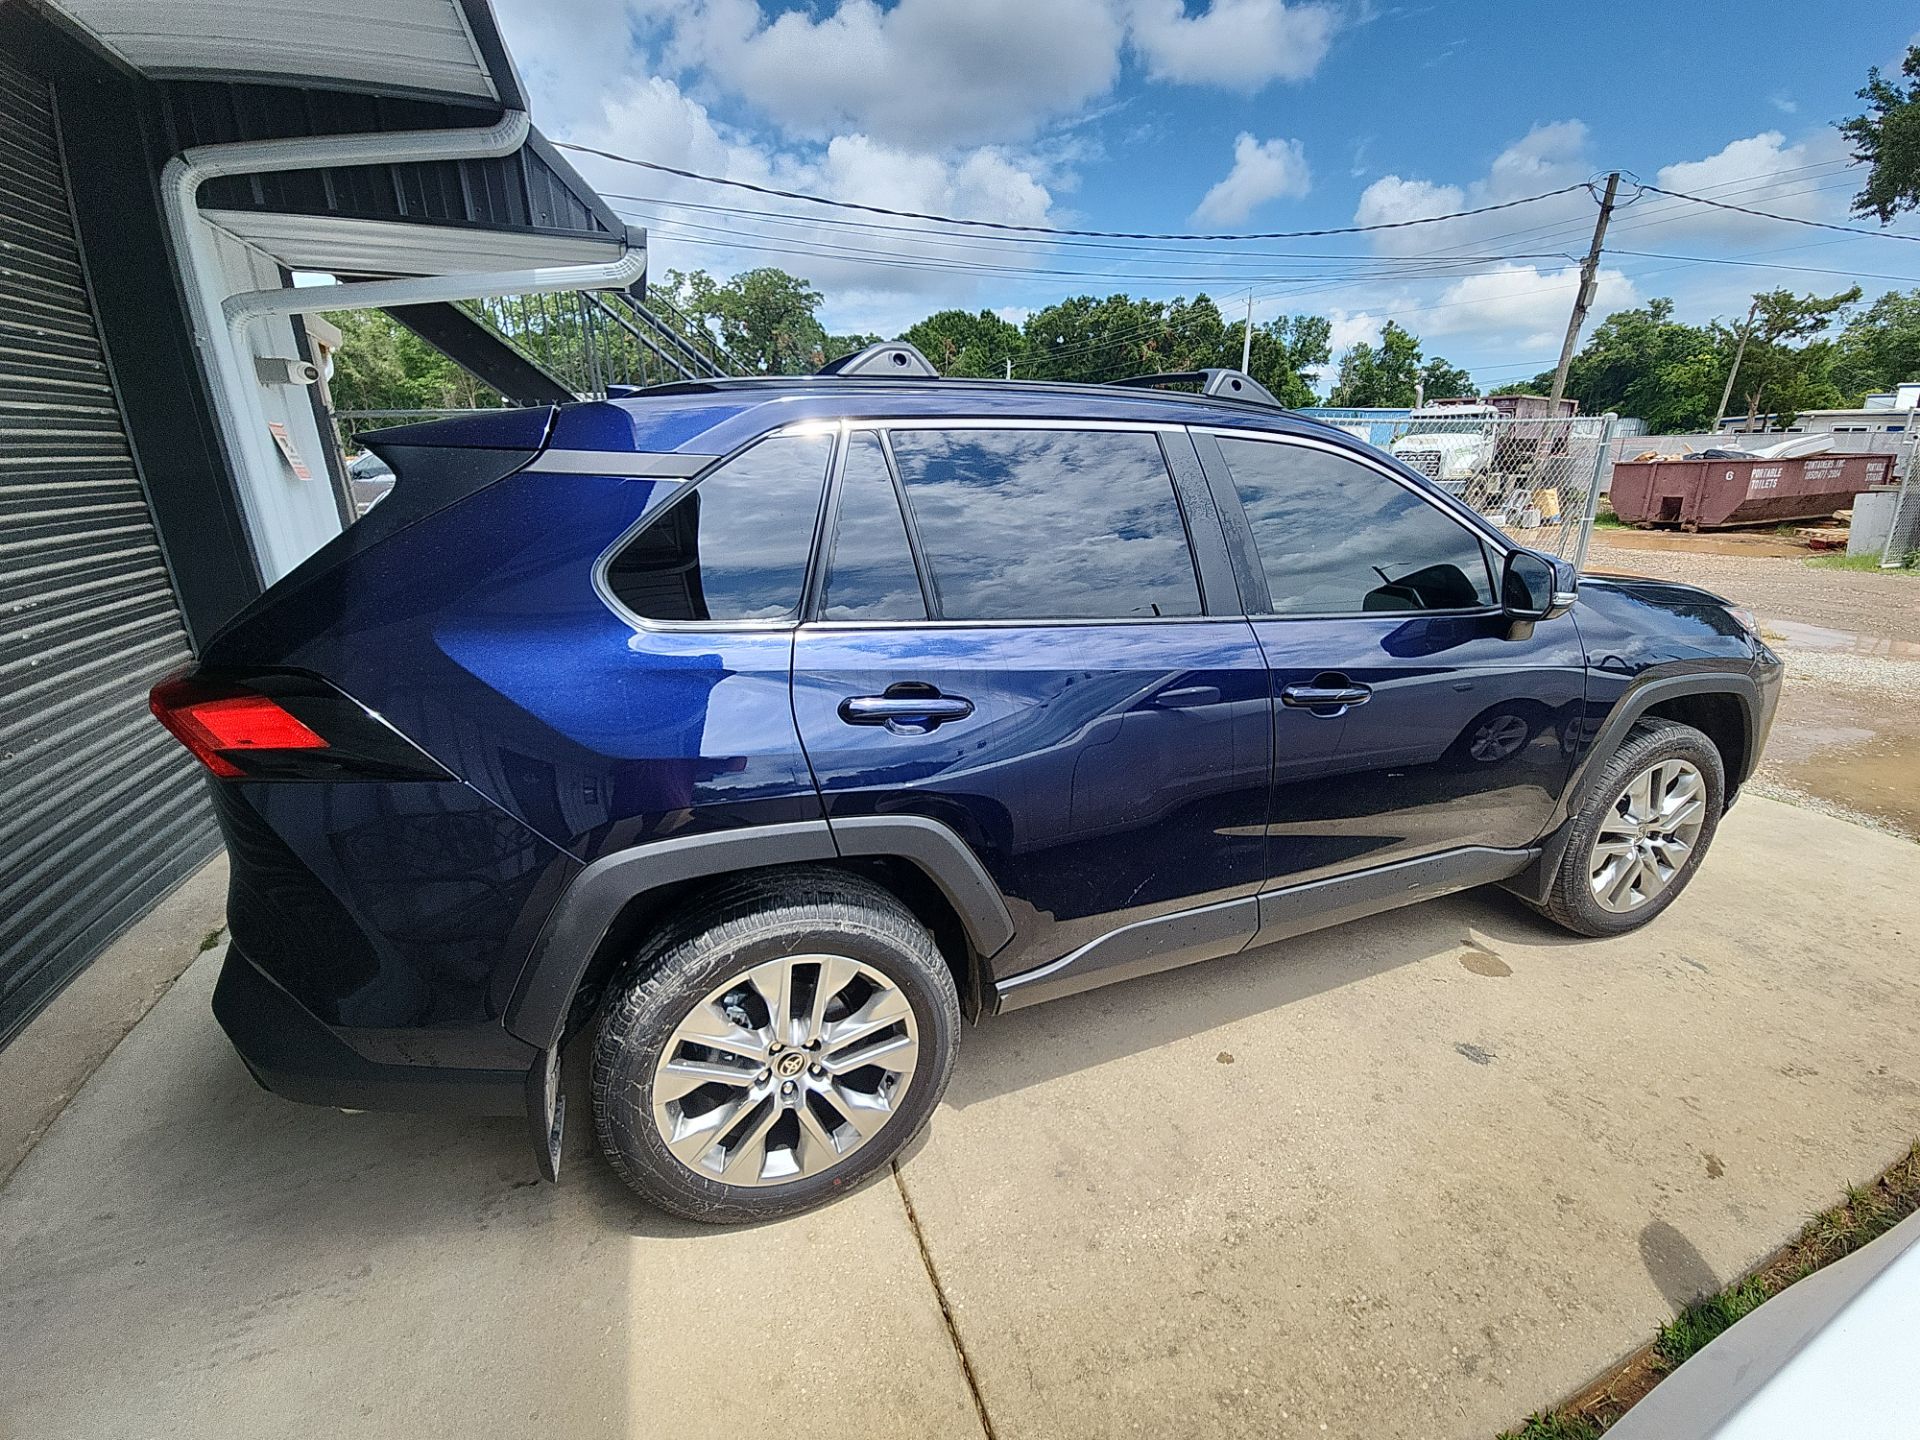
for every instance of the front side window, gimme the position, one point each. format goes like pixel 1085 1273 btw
pixel 735 546
pixel 1336 537
pixel 870 574
pixel 1047 524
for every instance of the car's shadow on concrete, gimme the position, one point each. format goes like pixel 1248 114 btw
pixel 1010 1052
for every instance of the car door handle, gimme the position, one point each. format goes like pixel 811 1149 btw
pixel 1318 697
pixel 904 714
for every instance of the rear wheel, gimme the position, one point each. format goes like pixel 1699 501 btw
pixel 1642 832
pixel 774 1047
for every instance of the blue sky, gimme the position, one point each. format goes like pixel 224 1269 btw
pixel 1231 116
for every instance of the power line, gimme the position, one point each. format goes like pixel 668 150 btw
pixel 1050 229
pixel 1764 265
pixel 1784 219
pixel 986 242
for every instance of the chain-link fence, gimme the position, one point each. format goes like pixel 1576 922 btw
pixel 1903 540
pixel 1538 479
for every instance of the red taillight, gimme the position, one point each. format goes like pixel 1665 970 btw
pixel 212 719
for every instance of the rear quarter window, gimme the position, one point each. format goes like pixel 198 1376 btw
pixel 734 547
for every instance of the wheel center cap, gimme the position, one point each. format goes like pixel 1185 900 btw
pixel 790 1064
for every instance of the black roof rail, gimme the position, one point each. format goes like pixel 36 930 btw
pixel 1222 384
pixel 889 357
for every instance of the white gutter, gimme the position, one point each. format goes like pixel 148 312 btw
pixel 235 389
pixel 219 323
pixel 244 309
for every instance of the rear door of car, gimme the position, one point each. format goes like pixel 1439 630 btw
pixel 1030 633
pixel 1376 608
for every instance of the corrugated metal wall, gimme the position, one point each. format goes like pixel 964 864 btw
pixel 100 812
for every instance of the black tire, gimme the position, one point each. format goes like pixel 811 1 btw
pixel 746 923
pixel 1571 902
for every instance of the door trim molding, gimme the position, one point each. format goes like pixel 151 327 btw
pixel 1206 932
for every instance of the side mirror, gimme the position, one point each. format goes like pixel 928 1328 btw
pixel 1535 587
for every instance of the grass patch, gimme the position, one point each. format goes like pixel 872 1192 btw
pixel 1867 1213
pixel 209 940
pixel 1557 1425
pixel 1607 520
pixel 1865 563
pixel 1695 1327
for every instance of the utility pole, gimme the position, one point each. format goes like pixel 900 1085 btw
pixel 1009 367
pixel 1739 354
pixel 1584 298
pixel 1246 339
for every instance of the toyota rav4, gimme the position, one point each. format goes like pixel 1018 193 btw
pixel 753 734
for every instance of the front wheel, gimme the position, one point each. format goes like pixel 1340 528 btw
pixel 1642 832
pixel 772 1048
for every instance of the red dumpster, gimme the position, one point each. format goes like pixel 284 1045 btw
pixel 1706 494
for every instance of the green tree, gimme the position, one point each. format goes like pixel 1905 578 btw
pixel 1787 367
pixel 1285 348
pixel 1879 348
pixel 837 345
pixel 382 365
pixel 765 319
pixel 1646 364
pixel 962 342
pixel 1440 380
pixel 1887 138
pixel 1095 338
pixel 1379 375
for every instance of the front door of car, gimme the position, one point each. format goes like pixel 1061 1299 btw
pixel 1045 680
pixel 1380 624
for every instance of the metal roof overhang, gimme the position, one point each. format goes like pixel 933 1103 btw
pixel 444 48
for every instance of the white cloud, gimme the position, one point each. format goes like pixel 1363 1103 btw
pixel 1235 44
pixel 571 53
pixel 1547 157
pixel 656 118
pixel 1521 300
pixel 1762 172
pixel 1263 170
pixel 923 73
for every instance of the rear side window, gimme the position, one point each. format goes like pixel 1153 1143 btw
pixel 870 575
pixel 735 546
pixel 1047 524
pixel 1337 537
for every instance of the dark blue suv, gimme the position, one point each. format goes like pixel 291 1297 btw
pixel 758 732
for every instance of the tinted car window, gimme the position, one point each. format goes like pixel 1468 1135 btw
pixel 1337 537
pixel 870 575
pixel 735 546
pixel 1047 524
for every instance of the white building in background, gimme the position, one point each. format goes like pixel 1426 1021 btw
pixel 1890 412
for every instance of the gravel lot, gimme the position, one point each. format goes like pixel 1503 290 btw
pixel 1846 740
pixel 1780 589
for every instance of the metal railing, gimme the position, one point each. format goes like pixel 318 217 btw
pixel 591 340
pixel 1539 480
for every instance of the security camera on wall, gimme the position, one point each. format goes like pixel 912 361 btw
pixel 285 370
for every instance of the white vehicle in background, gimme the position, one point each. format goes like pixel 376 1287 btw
pixel 1494 452
pixel 1449 441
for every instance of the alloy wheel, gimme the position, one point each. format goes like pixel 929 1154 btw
pixel 785 1070
pixel 1648 835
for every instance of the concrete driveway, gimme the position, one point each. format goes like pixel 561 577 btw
pixel 1413 1177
